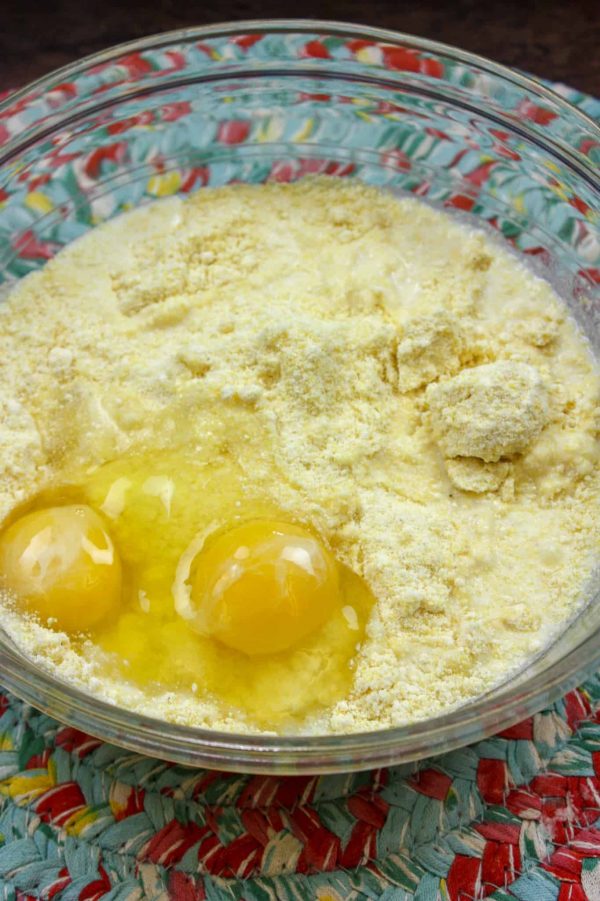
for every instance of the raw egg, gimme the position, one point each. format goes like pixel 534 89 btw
pixel 184 577
pixel 61 563
pixel 263 586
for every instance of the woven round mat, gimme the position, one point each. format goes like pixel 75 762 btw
pixel 516 816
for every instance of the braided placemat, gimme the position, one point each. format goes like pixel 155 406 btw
pixel 516 816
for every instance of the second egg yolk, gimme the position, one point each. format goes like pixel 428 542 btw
pixel 61 564
pixel 263 586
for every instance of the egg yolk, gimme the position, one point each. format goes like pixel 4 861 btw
pixel 60 563
pixel 263 586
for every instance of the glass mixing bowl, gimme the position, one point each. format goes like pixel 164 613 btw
pixel 260 101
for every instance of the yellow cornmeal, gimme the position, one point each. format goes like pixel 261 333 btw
pixel 329 355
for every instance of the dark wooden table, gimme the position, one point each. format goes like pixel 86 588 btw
pixel 555 39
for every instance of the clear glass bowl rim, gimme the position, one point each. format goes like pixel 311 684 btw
pixel 310 26
pixel 293 754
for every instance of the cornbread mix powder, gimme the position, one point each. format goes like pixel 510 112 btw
pixel 371 366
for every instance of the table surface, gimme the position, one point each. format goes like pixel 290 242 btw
pixel 554 39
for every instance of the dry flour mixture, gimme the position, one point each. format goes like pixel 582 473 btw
pixel 296 458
